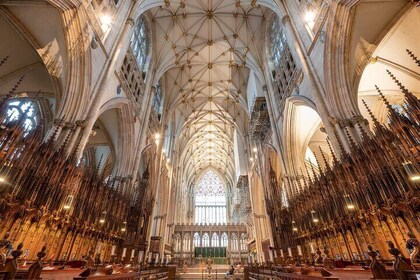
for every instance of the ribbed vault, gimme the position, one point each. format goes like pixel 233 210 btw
pixel 205 50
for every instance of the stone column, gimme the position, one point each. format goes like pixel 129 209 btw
pixel 114 63
pixel 316 85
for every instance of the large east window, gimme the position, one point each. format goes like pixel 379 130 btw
pixel 210 200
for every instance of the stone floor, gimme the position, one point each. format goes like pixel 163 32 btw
pixel 200 272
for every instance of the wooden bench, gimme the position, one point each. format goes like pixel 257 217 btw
pixel 411 274
pixel 147 274
pixel 158 274
pixel 22 274
pixel 4 275
pixel 119 276
pixel 268 274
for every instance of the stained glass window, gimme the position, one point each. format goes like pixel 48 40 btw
pixel 278 42
pixel 139 44
pixel 243 242
pixel 157 101
pixel 215 240
pixel 234 242
pixel 177 243
pixel 400 109
pixel 283 66
pixel 210 200
pixel 197 242
pixel 284 200
pixel 224 240
pixel 187 240
pixel 23 111
pixel 206 240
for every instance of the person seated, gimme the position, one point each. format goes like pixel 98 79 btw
pixel 230 272
pixel 239 267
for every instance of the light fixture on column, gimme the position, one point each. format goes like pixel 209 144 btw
pixel 413 173
pixel 102 218
pixel 123 229
pixel 157 138
pixel 294 228
pixel 349 204
pixel 68 202
pixel 255 149
pixel 314 218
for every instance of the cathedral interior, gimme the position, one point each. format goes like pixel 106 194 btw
pixel 197 139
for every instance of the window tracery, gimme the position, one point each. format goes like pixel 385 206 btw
pixel 243 242
pixel 23 111
pixel 284 71
pixel 210 200
pixel 234 242
pixel 197 241
pixel 135 64
pixel 186 245
pixel 224 240
pixel 215 240
pixel 284 200
pixel 177 243
pixel 400 109
pixel 278 42
pixel 139 44
pixel 157 101
pixel 206 240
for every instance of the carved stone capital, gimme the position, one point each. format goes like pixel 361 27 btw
pixel 333 121
pixel 285 19
pixel 345 123
pixel 130 21
pixel 123 179
pixel 359 119
pixel 81 123
pixel 69 125
pixel 59 122
pixel 264 87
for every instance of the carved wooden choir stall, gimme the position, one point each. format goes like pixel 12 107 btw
pixel 365 205
pixel 52 204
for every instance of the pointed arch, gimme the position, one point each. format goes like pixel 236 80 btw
pixel 210 200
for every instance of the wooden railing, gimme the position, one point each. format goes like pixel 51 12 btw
pixel 260 273
pixel 268 274
pixel 119 276
pixel 161 273
pixel 4 275
pixel 411 274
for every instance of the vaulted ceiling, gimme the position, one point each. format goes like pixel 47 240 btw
pixel 205 50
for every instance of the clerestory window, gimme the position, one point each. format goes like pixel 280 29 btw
pixel 283 66
pixel 139 44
